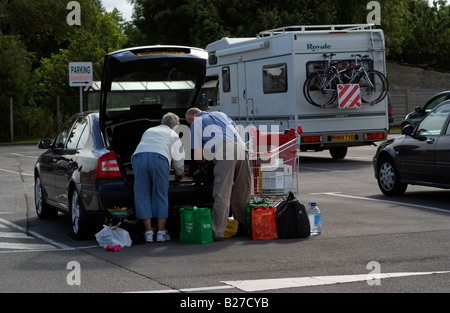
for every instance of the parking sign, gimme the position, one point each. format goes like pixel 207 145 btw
pixel 80 74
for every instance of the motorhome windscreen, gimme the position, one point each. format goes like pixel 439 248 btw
pixel 168 89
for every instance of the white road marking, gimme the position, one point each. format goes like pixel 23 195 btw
pixel 321 169
pixel 185 289
pixel 14 172
pixel 338 194
pixel 15 235
pixel 296 282
pixel 23 156
pixel 254 285
pixel 51 243
pixel 25 246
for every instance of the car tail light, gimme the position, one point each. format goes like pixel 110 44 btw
pixel 309 139
pixel 374 136
pixel 107 166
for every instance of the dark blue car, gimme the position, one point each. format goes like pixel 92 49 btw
pixel 421 156
pixel 87 168
pixel 414 117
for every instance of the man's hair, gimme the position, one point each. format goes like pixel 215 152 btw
pixel 191 113
pixel 171 120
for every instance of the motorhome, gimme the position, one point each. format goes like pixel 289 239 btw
pixel 260 81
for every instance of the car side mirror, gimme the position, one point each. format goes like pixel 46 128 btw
pixel 418 110
pixel 44 144
pixel 408 130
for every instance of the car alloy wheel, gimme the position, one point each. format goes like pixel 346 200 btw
pixel 38 196
pixel 42 209
pixel 389 180
pixel 387 176
pixel 76 216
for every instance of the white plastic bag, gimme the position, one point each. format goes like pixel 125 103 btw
pixel 113 235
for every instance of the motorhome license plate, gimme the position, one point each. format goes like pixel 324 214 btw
pixel 344 137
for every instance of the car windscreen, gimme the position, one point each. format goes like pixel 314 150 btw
pixel 432 124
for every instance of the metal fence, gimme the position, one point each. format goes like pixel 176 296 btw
pixel 403 102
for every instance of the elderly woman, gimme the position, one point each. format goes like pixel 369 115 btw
pixel 151 166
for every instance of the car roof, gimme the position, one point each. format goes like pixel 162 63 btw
pixel 443 92
pixel 143 52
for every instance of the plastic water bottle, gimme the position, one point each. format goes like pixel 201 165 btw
pixel 315 219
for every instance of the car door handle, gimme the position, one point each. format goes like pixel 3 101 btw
pixel 430 140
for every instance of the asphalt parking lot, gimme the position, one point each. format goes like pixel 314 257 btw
pixel 370 243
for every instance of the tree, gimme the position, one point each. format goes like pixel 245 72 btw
pixel 428 42
pixel 414 32
pixel 181 22
pixel 15 65
pixel 45 40
pixel 199 22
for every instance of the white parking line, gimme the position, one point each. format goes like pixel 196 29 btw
pixel 51 243
pixel 14 172
pixel 26 246
pixel 296 282
pixel 198 289
pixel 321 169
pixel 14 235
pixel 338 194
pixel 255 285
pixel 23 156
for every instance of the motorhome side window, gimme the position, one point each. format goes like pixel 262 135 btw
pixel 226 84
pixel 275 78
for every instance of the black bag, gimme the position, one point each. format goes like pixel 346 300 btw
pixel 292 219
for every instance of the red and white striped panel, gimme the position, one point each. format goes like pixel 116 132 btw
pixel 349 96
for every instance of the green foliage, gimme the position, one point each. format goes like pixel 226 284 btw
pixel 414 32
pixel 36 46
pixel 36 43
pixel 15 65
pixel 428 42
pixel 197 22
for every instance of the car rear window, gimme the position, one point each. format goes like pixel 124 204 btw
pixel 169 88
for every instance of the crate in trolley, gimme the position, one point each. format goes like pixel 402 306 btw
pixel 274 163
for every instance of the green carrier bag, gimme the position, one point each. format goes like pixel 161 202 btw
pixel 195 225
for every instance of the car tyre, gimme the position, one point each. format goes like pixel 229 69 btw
pixel 389 179
pixel 79 226
pixel 43 210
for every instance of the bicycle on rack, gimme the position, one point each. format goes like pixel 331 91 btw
pixel 320 88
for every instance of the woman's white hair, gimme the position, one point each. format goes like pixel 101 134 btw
pixel 171 120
